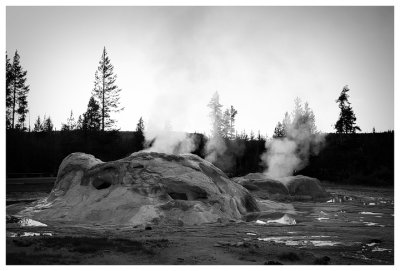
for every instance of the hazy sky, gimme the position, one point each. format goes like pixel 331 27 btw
pixel 170 61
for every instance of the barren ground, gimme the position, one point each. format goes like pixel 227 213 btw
pixel 356 227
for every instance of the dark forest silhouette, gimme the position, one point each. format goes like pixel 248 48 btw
pixel 364 158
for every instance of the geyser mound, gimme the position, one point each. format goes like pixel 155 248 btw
pixel 290 187
pixel 146 187
pixel 300 185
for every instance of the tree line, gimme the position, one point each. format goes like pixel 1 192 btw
pixel 361 158
pixel 104 100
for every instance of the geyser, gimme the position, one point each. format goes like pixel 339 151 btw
pixel 290 151
pixel 146 187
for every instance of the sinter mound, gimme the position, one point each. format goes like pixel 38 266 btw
pixel 140 189
pixel 296 187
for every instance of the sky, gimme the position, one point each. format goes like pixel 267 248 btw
pixel 169 62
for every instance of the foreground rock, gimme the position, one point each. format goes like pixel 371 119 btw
pixel 141 189
pixel 292 187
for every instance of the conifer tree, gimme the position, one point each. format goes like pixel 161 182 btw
pixel 9 99
pixel 139 136
pixel 79 123
pixel 303 120
pixel 140 126
pixel 38 127
pixel 215 115
pixel 92 120
pixel 347 119
pixel 286 125
pixel 297 114
pixel 225 123
pixel 106 91
pixel 47 124
pixel 16 92
pixel 279 131
pixel 233 112
pixel 309 119
pixel 70 125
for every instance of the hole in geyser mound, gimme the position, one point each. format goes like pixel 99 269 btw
pixel 201 195
pixel 180 196
pixel 101 184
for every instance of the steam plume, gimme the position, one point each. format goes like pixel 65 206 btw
pixel 215 148
pixel 281 158
pixel 290 153
pixel 170 142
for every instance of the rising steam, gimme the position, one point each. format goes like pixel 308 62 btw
pixel 287 154
pixel 215 148
pixel 281 158
pixel 170 142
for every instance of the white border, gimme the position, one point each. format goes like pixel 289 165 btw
pixel 197 3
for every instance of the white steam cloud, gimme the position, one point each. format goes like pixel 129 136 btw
pixel 215 149
pixel 281 158
pixel 290 153
pixel 170 142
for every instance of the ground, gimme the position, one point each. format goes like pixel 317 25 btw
pixel 354 227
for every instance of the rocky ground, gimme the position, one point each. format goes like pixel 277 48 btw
pixel 356 226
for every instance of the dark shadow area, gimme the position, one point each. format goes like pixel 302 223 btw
pixel 179 196
pixel 101 184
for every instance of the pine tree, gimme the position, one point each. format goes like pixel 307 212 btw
pixel 106 91
pixel 233 112
pixel 91 119
pixel 139 136
pixel 71 122
pixel 225 123
pixel 9 99
pixel 47 124
pixel 347 119
pixel 286 125
pixel 297 114
pixel 279 131
pixel 215 115
pixel 140 126
pixel 302 120
pixel 38 127
pixel 80 123
pixel 70 125
pixel 309 119
pixel 18 92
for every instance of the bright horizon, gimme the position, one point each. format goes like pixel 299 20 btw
pixel 170 60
